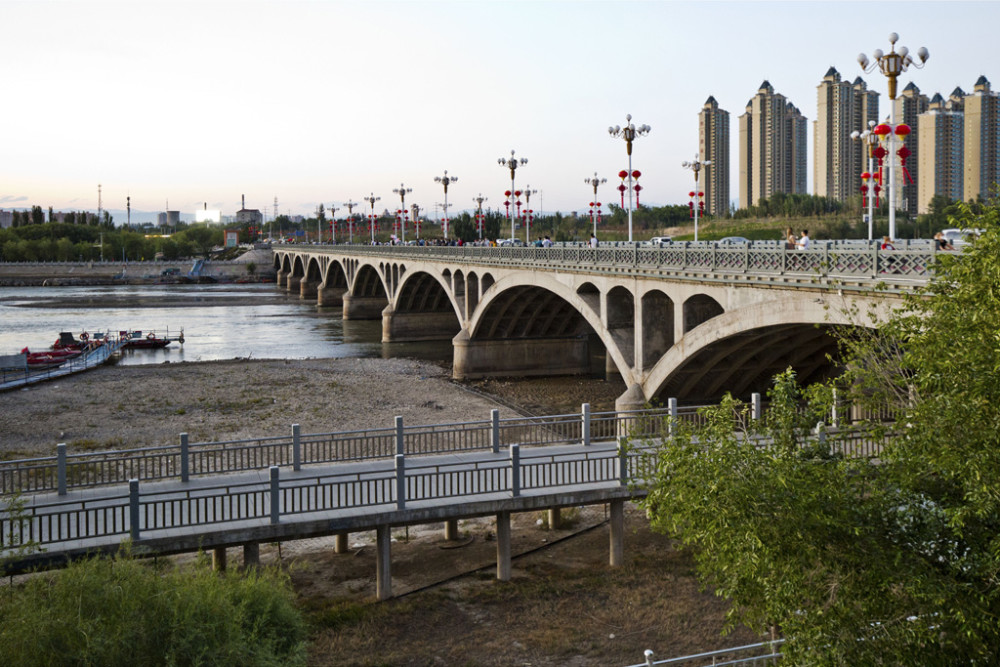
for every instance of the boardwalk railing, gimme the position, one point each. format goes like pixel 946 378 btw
pixel 831 259
pixel 765 653
pixel 186 460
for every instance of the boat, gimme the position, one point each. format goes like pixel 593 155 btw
pixel 67 341
pixel 49 358
pixel 136 340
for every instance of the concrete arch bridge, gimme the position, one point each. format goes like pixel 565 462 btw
pixel 690 321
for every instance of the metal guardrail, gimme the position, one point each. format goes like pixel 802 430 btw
pixel 13 379
pixel 845 260
pixel 764 653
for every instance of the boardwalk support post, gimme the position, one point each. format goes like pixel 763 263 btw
pixel 275 496
pixel 503 546
pixel 400 481
pixel 185 458
pixel 495 431
pixel 622 463
pixel 672 408
pixel 61 468
pixel 755 405
pixel 251 556
pixel 296 447
pixel 133 509
pixel 515 470
pixel 617 557
pixel 383 562
pixel 340 543
pixel 585 416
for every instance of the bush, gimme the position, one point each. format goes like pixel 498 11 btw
pixel 122 611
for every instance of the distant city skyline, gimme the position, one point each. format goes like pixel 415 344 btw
pixel 322 102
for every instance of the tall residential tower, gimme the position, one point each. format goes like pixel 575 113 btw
pixel 841 109
pixel 713 146
pixel 982 141
pixel 773 149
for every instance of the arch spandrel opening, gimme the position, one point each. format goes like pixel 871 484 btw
pixel 368 298
pixel 422 310
pixel 699 309
pixel 657 327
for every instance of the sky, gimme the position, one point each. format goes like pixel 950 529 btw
pixel 200 103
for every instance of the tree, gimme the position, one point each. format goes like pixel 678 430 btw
pixel 886 562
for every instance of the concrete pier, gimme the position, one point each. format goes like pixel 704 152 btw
pixel 503 546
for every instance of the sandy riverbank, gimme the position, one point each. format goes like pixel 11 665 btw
pixel 137 406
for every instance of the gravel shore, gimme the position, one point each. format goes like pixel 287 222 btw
pixel 116 407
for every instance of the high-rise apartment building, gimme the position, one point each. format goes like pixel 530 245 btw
pixel 713 146
pixel 842 107
pixel 940 165
pixel 982 141
pixel 908 106
pixel 773 150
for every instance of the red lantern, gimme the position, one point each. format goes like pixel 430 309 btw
pixel 701 194
pixel 691 194
pixel 636 173
pixel 623 174
pixel 902 130
pixel 882 131
pixel 506 193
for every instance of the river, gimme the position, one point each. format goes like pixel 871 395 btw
pixel 218 321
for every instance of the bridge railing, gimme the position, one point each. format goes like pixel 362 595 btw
pixel 851 259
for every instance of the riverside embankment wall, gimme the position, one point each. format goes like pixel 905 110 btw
pixel 25 274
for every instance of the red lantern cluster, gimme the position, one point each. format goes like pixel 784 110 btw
pixel 696 198
pixel 902 130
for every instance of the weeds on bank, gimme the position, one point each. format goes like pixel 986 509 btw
pixel 124 611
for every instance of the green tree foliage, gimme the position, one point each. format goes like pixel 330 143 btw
pixel 893 561
pixel 125 612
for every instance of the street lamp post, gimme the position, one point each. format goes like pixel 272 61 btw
pixel 350 219
pixel 333 223
pixel 445 180
pixel 529 214
pixel 893 64
pixel 629 133
pixel 595 181
pixel 402 191
pixel 869 182
pixel 512 164
pixel 416 219
pixel 479 215
pixel 371 199
pixel 698 193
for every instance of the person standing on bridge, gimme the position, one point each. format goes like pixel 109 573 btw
pixel 789 239
pixel 593 241
pixel 803 243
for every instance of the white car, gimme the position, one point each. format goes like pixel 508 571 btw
pixel 657 240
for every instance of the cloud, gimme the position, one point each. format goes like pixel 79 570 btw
pixel 10 199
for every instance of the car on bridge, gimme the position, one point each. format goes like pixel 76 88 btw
pixel 733 240
pixel 509 242
pixel 660 240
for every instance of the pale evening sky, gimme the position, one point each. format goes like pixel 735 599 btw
pixel 313 102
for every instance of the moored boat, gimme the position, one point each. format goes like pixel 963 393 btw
pixel 148 341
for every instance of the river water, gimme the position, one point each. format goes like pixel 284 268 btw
pixel 218 321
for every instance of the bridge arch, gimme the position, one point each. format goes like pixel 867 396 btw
pixel 542 328
pixel 368 294
pixel 739 351
pixel 424 308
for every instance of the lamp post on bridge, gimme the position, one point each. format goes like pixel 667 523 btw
pixel 892 64
pixel 870 185
pixel 595 181
pixel 350 219
pixel 699 205
pixel 445 180
pixel 333 223
pixel 512 164
pixel 479 215
pixel 416 219
pixel 402 191
pixel 371 199
pixel 629 133
pixel 528 213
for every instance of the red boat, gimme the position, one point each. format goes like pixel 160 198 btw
pixel 66 341
pixel 49 359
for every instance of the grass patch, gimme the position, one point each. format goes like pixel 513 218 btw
pixel 123 611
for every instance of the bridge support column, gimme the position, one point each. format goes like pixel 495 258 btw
pixel 632 399
pixel 383 562
pixel 503 546
pixel 451 530
pixel 281 278
pixel 519 357
pixel 407 327
pixel 251 556
pixel 363 307
pixel 340 543
pixel 330 296
pixel 307 288
pixel 617 558
pixel 292 283
pixel 555 518
pixel 219 559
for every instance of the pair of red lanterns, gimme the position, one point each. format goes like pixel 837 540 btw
pixel 623 174
pixel 883 131
pixel 701 203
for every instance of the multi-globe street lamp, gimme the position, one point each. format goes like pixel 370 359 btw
pixel 333 223
pixel 416 219
pixel 696 206
pixel 402 191
pixel 350 219
pixel 528 213
pixel 892 64
pixel 445 180
pixel 870 185
pixel 595 206
pixel 371 199
pixel 629 133
pixel 479 215
pixel 512 164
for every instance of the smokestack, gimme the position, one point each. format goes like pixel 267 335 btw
pixel 243 202
pixel 206 206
